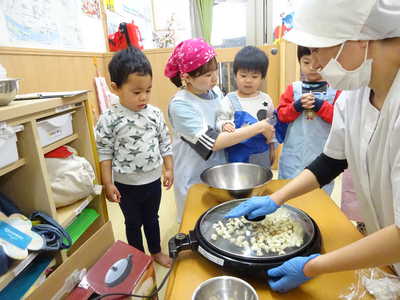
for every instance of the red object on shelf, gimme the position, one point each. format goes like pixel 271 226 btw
pixel 60 152
pixel 128 34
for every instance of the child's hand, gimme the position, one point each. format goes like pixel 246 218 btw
pixel 228 127
pixel 112 193
pixel 307 101
pixel 168 178
pixel 269 132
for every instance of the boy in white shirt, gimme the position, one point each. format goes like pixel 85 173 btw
pixel 248 105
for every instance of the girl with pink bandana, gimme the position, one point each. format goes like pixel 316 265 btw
pixel 197 144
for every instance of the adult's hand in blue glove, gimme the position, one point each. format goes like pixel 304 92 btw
pixel 289 275
pixel 253 208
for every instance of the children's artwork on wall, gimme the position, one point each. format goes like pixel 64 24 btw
pixel 166 38
pixel 91 8
pixel 283 12
pixel 52 24
pixel 286 25
pixel 171 22
pixel 113 21
pixel 105 98
pixel 109 4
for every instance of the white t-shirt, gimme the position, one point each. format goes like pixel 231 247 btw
pixel 260 107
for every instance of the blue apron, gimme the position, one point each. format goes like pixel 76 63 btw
pixel 254 149
pixel 188 165
pixel 305 139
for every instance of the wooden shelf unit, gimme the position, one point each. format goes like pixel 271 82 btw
pixel 66 214
pixel 26 181
pixel 17 267
pixel 60 143
pixel 13 166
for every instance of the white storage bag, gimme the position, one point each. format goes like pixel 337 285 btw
pixel 71 178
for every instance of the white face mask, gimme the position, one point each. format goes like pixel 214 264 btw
pixel 342 79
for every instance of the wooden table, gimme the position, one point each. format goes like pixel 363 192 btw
pixel 191 269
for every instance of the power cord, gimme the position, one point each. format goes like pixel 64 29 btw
pixel 154 293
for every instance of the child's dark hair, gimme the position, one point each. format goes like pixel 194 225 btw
pixel 302 51
pixel 251 58
pixel 211 65
pixel 126 62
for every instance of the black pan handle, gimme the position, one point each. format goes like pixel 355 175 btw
pixel 182 242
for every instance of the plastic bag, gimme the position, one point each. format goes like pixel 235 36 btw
pixel 375 282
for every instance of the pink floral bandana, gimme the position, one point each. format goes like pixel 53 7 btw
pixel 188 56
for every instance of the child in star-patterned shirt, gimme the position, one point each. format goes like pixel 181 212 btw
pixel 133 144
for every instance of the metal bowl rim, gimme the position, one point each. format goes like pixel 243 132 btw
pixel 208 281
pixel 268 171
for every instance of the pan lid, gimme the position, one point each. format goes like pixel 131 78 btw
pixel 281 234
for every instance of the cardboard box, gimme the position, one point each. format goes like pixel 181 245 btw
pixel 54 129
pixel 86 257
pixel 8 145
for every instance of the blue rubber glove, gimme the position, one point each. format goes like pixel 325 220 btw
pixel 289 275
pixel 253 208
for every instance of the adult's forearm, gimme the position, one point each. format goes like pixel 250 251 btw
pixel 168 162
pixel 106 171
pixel 303 183
pixel 227 139
pixel 378 249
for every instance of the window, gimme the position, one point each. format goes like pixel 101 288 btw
pixel 229 23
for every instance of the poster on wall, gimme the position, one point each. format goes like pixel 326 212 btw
pixel 52 24
pixel 283 12
pixel 109 4
pixel 171 22
pixel 91 8
pixel 138 11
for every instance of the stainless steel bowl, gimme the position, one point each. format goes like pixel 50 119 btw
pixel 8 90
pixel 237 180
pixel 225 288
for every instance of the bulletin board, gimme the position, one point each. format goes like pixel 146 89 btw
pixel 52 24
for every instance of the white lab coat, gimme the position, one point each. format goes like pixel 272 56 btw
pixel 370 141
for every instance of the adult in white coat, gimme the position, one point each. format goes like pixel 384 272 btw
pixel 355 44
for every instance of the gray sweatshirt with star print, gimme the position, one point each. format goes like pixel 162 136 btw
pixel 135 142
